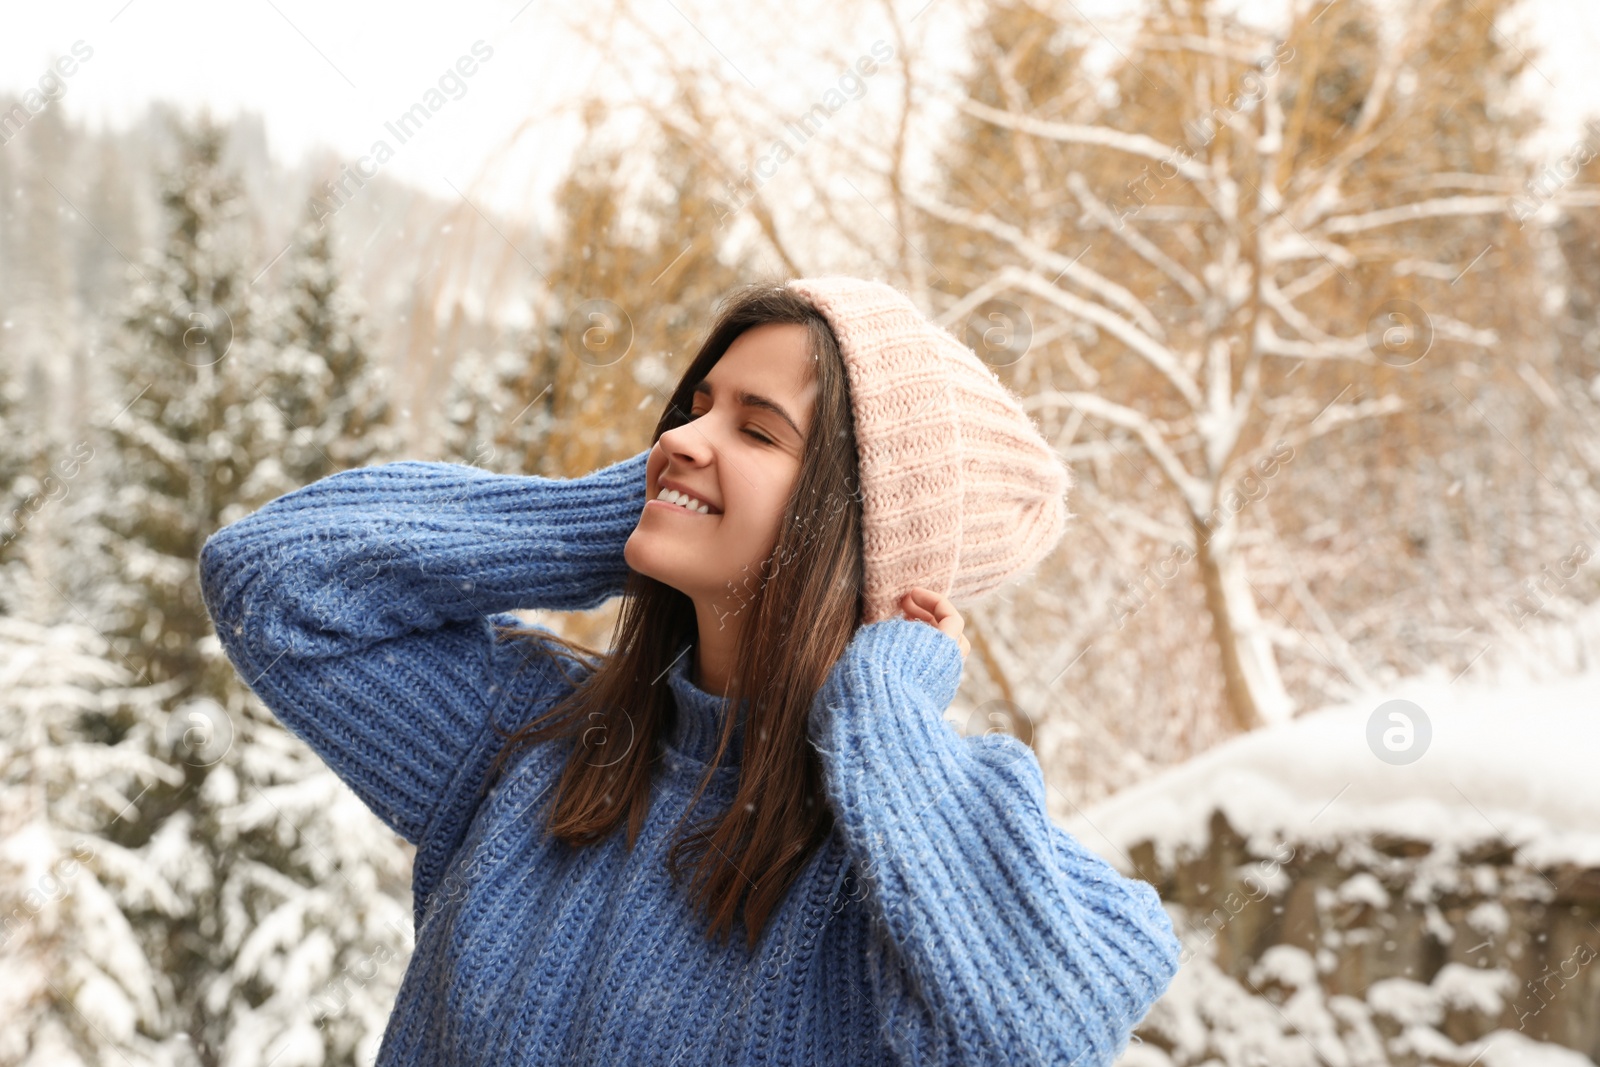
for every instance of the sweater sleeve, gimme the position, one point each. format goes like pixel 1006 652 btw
pixel 358 608
pixel 1005 940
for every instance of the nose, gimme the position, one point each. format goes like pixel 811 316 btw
pixel 686 444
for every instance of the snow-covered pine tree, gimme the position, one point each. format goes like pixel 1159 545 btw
pixel 295 920
pixel 102 869
pixel 330 399
pixel 475 412
pixel 77 741
pixel 17 493
pixel 186 354
pixel 317 918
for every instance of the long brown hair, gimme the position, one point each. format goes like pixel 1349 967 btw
pixel 801 607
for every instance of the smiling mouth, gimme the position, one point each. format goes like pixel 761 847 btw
pixel 671 498
pixel 662 505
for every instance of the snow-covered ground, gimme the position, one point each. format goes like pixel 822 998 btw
pixel 1515 759
pixel 1511 759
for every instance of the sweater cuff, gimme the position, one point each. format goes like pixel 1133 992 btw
pixel 918 653
pixel 922 652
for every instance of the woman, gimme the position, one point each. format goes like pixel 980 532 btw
pixel 829 472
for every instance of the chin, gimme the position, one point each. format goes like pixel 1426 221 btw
pixel 641 557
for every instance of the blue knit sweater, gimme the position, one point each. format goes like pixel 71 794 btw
pixel 945 920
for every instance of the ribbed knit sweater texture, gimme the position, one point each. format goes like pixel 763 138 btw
pixel 945 920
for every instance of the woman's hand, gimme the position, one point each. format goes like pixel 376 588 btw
pixel 924 605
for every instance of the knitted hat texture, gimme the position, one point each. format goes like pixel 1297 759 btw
pixel 960 492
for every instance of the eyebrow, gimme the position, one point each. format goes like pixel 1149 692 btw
pixel 753 400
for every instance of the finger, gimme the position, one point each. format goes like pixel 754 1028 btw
pixel 936 605
pixel 947 615
pixel 915 611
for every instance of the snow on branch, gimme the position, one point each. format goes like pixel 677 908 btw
pixel 1192 489
pixel 1135 144
pixel 1202 45
pixel 1274 299
pixel 1336 415
pixel 1138 242
pixel 1359 349
pixel 1269 342
pixel 1048 259
pixel 1158 531
pixel 1151 350
pixel 974 299
pixel 1440 207
pixel 1456 330
pixel 1285 247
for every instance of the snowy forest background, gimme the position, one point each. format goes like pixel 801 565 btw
pixel 1314 325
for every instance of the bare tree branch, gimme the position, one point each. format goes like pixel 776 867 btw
pixel 1351 348
pixel 1442 207
pixel 1337 415
pixel 1152 351
pixel 1194 491
pixel 1049 259
pixel 1135 144
pixel 1140 244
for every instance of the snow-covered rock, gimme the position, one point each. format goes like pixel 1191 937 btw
pixel 1340 908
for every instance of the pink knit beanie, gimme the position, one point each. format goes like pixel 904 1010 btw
pixel 959 490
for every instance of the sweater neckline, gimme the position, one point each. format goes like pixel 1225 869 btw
pixel 700 716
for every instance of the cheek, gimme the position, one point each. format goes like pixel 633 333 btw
pixel 752 525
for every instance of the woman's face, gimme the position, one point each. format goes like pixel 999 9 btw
pixel 739 453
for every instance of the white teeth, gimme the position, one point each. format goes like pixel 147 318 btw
pixel 672 496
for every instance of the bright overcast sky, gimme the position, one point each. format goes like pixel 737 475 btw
pixel 333 73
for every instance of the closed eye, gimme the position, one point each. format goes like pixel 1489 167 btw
pixel 758 436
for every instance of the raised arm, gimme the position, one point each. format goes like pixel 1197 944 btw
pixel 358 607
pixel 1008 942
